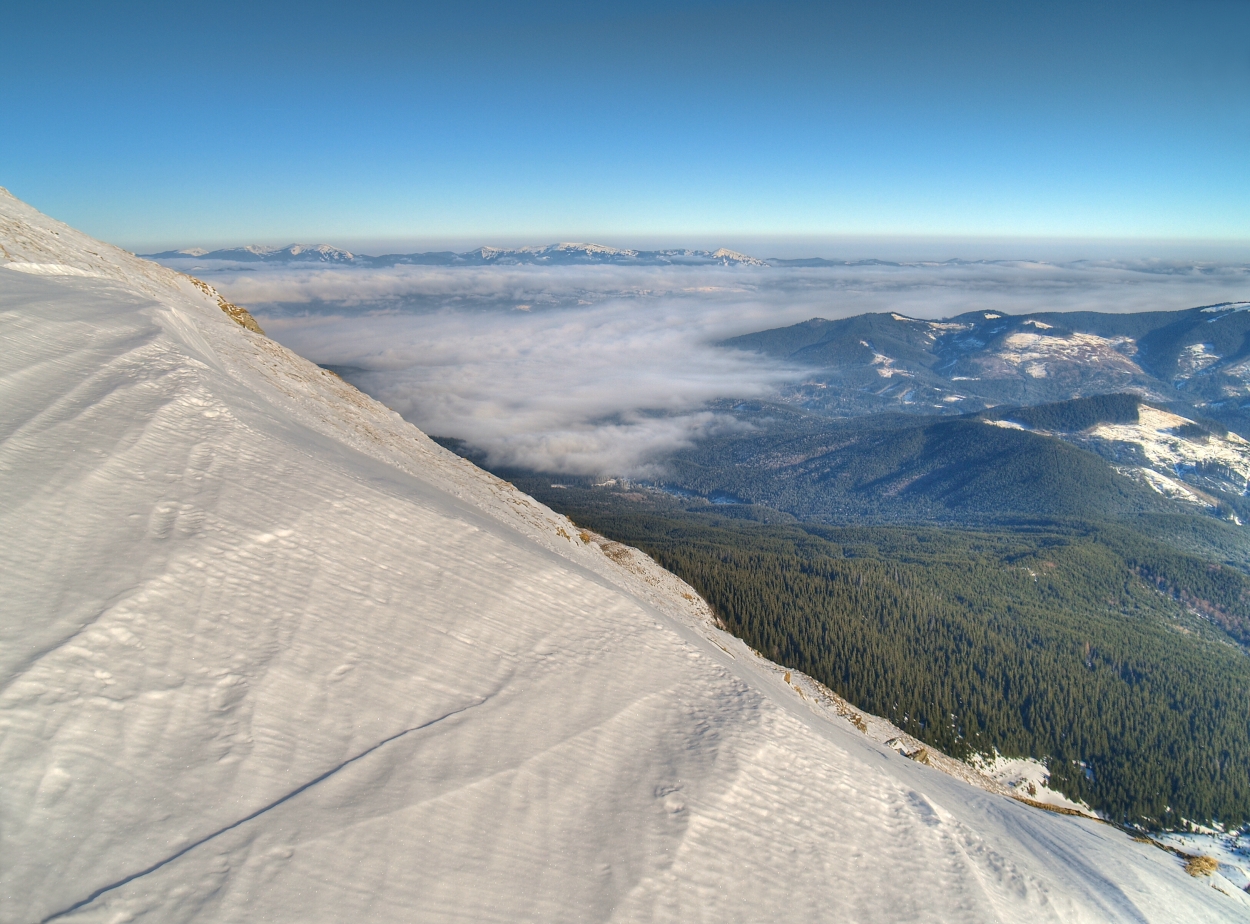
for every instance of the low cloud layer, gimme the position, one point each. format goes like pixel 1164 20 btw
pixel 605 370
pixel 588 389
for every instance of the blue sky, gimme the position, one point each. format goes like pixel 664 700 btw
pixel 636 123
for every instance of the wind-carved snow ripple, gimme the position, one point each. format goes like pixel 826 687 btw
pixel 242 821
pixel 773 791
pixel 125 417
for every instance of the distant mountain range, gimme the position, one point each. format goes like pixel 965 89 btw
pixel 565 254
pixel 1196 359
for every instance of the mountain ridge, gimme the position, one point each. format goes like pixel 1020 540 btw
pixel 1196 358
pixel 560 254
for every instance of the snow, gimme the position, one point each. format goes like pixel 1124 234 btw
pixel 321 256
pixel 1028 778
pixel 269 653
pixel 884 364
pixel 1166 450
pixel 325 251
pixel 582 248
pixel 1034 351
pixel 47 269
pixel 1230 848
pixel 1194 358
pixel 1170 487
pixel 726 255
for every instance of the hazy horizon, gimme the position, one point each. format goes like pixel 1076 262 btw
pixel 912 248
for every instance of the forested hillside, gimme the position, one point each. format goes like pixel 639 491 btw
pixel 1073 415
pixel 895 468
pixel 1197 359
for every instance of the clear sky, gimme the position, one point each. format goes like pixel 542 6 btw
pixel 630 123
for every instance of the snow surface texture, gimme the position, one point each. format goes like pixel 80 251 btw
pixel 1027 777
pixel 1230 848
pixel 1036 354
pixel 1154 433
pixel 268 653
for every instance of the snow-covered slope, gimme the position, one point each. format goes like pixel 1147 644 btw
pixel 268 653
pixel 1224 461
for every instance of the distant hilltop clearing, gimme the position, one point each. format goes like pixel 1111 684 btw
pixel 552 255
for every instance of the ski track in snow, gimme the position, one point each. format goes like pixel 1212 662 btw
pixel 269 653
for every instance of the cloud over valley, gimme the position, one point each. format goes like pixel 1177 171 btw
pixel 604 370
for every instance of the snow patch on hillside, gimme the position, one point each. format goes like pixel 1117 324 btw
pixel 1231 849
pixel 1030 349
pixel 1194 358
pixel 884 364
pixel 1155 434
pixel 1226 308
pixel 1170 487
pixel 1027 779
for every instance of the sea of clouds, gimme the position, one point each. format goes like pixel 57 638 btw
pixel 604 370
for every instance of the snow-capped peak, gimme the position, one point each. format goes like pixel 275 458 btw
pixel 323 251
pixel 732 256
pixel 597 249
